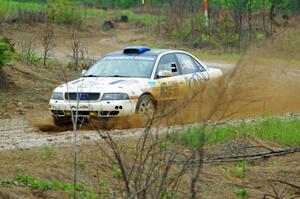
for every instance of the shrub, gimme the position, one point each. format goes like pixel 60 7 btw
pixel 242 193
pixel 195 33
pixel 225 34
pixel 64 12
pixel 29 16
pixel 5 55
pixel 241 169
pixel 3 14
pixel 27 53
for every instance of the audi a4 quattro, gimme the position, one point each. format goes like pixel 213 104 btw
pixel 132 81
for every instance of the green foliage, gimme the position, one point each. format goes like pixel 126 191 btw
pixel 225 35
pixel 81 165
pixel 192 138
pixel 34 183
pixel 46 152
pixel 3 13
pixel 193 32
pixel 143 19
pixel 272 129
pixel 104 185
pixel 285 132
pixel 196 33
pixel 240 169
pixel 64 12
pixel 28 57
pixel 11 7
pixel 226 172
pixel 242 193
pixel 117 173
pixel 5 55
pixel 166 194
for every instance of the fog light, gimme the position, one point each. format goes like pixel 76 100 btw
pixel 93 113
pixel 67 113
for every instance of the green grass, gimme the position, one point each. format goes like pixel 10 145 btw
pixel 227 57
pixel 89 12
pixel 284 132
pixel 146 20
pixel 37 184
pixel 11 7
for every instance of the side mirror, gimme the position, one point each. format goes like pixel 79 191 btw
pixel 164 73
pixel 83 72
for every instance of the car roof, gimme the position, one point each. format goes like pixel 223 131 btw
pixel 150 53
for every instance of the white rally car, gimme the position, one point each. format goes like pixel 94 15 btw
pixel 127 82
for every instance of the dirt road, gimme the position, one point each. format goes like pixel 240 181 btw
pixel 18 133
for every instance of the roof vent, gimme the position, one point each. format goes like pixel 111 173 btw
pixel 135 49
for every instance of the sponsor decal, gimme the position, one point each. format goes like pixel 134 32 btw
pixel 118 81
pixel 76 81
pixel 83 84
pixel 152 83
pixel 79 107
pixel 134 97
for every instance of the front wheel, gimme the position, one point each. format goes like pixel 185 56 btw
pixel 145 109
pixel 61 121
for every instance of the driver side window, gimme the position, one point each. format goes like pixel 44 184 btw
pixel 168 62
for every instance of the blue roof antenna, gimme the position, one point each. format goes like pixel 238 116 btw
pixel 135 49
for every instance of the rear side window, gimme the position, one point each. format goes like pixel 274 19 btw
pixel 188 64
pixel 168 62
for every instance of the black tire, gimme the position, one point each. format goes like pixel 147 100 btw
pixel 60 121
pixel 145 109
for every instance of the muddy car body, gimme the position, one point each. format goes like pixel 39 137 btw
pixel 131 81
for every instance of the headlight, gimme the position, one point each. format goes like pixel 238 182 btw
pixel 115 96
pixel 57 96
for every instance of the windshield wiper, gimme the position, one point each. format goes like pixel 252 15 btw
pixel 118 76
pixel 91 76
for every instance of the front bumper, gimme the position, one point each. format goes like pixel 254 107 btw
pixel 113 108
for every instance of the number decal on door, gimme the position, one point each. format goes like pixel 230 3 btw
pixel 168 91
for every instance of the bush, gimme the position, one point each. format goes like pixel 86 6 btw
pixel 29 16
pixel 64 12
pixel 5 55
pixel 194 33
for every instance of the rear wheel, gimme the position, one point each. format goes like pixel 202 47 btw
pixel 145 109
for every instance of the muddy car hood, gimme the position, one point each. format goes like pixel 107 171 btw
pixel 103 84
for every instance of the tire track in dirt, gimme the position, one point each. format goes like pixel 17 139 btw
pixel 18 134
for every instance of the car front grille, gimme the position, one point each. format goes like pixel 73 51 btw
pixel 82 96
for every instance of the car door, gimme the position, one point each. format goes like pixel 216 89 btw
pixel 193 72
pixel 168 88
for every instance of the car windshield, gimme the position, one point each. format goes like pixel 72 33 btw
pixel 122 66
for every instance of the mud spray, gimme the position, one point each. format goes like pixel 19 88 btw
pixel 266 80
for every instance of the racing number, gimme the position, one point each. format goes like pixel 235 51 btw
pixel 169 90
pixel 194 80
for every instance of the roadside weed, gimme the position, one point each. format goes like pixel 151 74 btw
pixel 241 193
pixel 240 169
pixel 34 183
pixel 81 165
pixel 226 172
pixel 117 173
pixel 46 152
pixel 285 132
